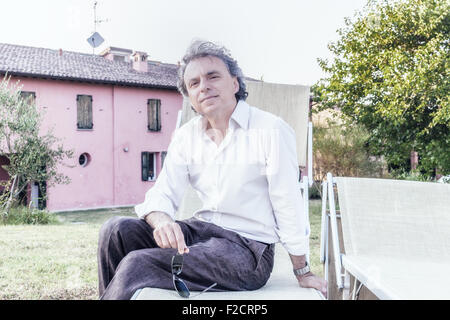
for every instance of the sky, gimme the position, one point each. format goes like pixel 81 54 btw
pixel 274 40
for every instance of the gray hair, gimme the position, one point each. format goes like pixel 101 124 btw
pixel 200 48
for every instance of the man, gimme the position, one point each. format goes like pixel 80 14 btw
pixel 243 163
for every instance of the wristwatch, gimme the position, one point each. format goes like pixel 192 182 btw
pixel 302 271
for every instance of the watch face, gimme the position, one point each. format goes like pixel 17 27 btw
pixel 302 271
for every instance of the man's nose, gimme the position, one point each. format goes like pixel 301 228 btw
pixel 204 85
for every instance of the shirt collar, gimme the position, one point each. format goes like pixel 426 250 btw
pixel 240 115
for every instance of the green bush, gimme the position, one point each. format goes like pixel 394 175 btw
pixel 414 175
pixel 343 152
pixel 24 215
pixel 315 190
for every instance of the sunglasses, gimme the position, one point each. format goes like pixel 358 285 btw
pixel 180 286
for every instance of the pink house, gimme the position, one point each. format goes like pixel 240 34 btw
pixel 116 110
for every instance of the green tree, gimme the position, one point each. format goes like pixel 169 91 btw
pixel 390 74
pixel 33 157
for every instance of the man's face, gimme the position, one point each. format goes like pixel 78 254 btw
pixel 210 86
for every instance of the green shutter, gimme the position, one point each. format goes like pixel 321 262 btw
pixel 154 114
pixel 84 112
pixel 151 166
pixel 144 162
pixel 158 115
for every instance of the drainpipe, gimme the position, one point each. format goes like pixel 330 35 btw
pixel 113 148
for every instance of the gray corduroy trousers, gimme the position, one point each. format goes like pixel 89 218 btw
pixel 129 259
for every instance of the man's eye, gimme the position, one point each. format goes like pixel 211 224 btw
pixel 193 84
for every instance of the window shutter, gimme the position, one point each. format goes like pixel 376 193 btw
pixel 151 166
pixel 154 114
pixel 145 162
pixel 158 111
pixel 84 112
pixel 89 113
pixel 79 113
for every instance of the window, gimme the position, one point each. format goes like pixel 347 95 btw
pixel 84 159
pixel 38 195
pixel 148 161
pixel 84 112
pixel 28 95
pixel 154 114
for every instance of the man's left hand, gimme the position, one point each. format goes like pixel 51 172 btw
pixel 310 280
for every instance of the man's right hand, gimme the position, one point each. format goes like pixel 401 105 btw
pixel 167 233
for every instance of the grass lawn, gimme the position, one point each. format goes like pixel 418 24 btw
pixel 60 261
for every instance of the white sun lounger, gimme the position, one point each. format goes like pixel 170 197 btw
pixel 396 237
pixel 291 103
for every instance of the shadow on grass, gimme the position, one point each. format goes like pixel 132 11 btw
pixel 98 216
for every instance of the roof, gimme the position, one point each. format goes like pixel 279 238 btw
pixel 49 64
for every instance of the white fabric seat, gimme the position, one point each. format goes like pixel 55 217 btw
pixel 400 279
pixel 282 285
pixel 396 236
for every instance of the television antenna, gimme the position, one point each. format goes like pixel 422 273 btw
pixel 96 39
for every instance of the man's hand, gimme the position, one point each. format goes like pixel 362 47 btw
pixel 310 280
pixel 167 233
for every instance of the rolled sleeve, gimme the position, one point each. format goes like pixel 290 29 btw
pixel 284 190
pixel 166 193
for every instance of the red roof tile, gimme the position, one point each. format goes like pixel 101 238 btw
pixel 48 63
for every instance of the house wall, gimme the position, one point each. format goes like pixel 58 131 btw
pixel 113 176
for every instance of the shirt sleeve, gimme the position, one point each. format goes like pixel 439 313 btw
pixel 166 193
pixel 284 189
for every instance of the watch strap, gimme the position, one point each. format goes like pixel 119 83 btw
pixel 302 271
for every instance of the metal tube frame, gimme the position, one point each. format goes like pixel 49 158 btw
pixel 334 233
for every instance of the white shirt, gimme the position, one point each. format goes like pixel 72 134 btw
pixel 248 184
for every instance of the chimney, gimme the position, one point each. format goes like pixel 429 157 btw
pixel 139 61
pixel 116 54
pixel 60 52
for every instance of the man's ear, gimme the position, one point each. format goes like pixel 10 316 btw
pixel 236 85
